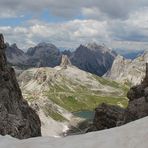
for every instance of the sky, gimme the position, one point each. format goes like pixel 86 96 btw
pixel 69 23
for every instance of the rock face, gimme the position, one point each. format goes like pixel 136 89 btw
pixel 138 101
pixel 93 58
pixel 44 55
pixel 65 61
pixel 107 116
pixel 16 117
pixel 128 71
pixel 16 56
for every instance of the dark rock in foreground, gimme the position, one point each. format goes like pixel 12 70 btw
pixel 16 117
pixel 107 116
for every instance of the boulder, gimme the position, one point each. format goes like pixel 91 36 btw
pixel 107 116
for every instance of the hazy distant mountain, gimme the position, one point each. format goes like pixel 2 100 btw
pixel 93 58
pixel 67 52
pixel 16 56
pixel 44 55
pixel 129 54
pixel 128 71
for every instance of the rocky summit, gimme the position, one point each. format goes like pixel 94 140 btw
pixel 130 72
pixel 93 58
pixel 16 117
pixel 65 61
pixel 16 56
pixel 44 55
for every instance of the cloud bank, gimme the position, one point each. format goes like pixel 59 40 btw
pixel 117 23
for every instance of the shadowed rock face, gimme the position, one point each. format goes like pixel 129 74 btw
pixel 93 58
pixel 107 116
pixel 16 117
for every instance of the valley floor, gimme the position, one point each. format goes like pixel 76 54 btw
pixel 132 135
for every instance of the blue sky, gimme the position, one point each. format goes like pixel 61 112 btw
pixel 68 23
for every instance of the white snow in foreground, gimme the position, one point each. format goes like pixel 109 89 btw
pixel 132 135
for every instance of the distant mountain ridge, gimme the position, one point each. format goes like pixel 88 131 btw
pixel 16 56
pixel 128 71
pixel 93 58
pixel 129 54
pixel 44 55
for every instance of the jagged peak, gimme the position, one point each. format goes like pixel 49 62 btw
pixel 14 45
pixel 3 61
pixel 65 61
pixel 44 44
pixel 94 46
pixel 2 44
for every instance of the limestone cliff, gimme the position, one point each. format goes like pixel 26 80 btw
pixel 16 117
pixel 127 71
pixel 65 61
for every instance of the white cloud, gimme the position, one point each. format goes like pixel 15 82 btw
pixel 120 9
pixel 70 33
pixel 121 23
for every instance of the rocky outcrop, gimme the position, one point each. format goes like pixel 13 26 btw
pixel 93 58
pixel 16 117
pixel 65 61
pixel 127 71
pixel 138 101
pixel 107 116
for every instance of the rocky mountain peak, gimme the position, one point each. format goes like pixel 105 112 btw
pixel 93 58
pixel 2 44
pixel 2 53
pixel 16 117
pixel 45 55
pixel 14 45
pixel 93 45
pixel 65 61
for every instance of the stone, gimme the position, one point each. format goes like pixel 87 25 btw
pixel 107 116
pixel 65 61
pixel 17 118
pixel 138 101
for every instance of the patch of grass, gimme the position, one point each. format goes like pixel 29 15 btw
pixel 77 102
pixel 83 98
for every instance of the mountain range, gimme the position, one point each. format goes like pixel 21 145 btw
pixel 92 58
pixel 129 54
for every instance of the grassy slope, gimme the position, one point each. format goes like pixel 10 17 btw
pixel 84 99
